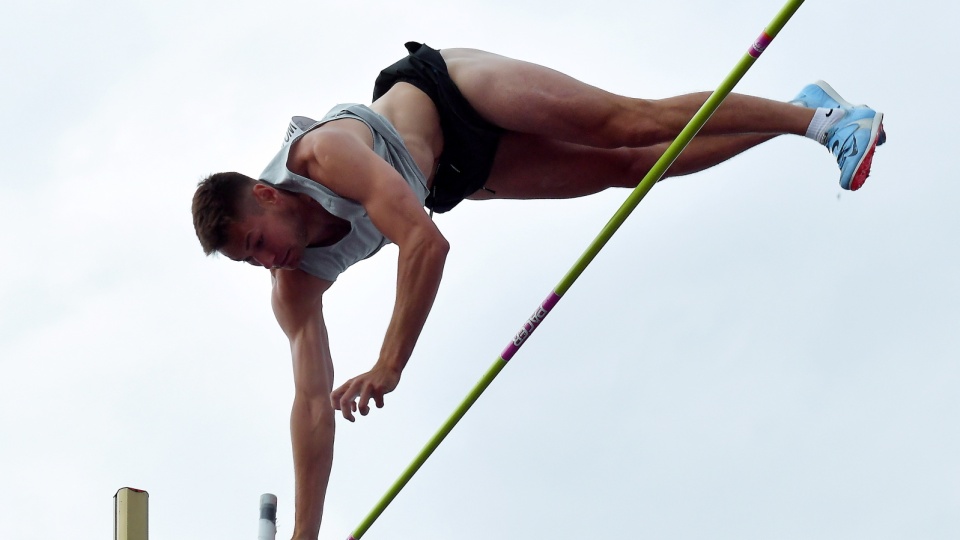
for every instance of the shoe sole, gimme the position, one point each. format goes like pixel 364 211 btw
pixel 863 168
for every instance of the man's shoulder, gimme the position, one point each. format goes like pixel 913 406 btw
pixel 329 142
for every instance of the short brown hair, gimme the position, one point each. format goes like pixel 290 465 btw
pixel 217 203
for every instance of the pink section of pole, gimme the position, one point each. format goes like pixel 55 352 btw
pixel 529 326
pixel 760 45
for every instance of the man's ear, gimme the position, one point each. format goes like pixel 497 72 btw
pixel 265 194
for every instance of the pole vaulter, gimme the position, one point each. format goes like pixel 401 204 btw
pixel 531 324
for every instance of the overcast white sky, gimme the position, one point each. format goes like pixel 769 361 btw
pixel 755 355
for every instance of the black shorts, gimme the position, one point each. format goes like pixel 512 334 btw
pixel 469 141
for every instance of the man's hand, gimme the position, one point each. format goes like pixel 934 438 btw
pixel 372 384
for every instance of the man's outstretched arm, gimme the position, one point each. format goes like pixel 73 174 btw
pixel 345 164
pixel 297 303
pixel 419 270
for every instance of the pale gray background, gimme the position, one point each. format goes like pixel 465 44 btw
pixel 756 355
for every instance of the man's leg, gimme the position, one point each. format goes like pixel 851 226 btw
pixel 527 98
pixel 535 167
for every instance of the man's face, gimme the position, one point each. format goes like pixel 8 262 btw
pixel 272 237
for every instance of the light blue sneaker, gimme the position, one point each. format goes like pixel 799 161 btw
pixel 821 94
pixel 853 141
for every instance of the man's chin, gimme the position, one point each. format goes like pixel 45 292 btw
pixel 293 257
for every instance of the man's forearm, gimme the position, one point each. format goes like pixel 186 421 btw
pixel 297 303
pixel 312 432
pixel 419 271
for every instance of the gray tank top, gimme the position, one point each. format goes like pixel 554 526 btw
pixel 364 239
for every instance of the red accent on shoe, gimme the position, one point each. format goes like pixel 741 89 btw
pixel 864 171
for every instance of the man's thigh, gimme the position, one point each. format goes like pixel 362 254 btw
pixel 529 98
pixel 536 167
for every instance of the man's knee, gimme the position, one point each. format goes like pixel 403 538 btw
pixel 640 162
pixel 631 123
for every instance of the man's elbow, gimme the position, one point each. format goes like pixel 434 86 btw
pixel 441 246
pixel 426 250
pixel 313 414
pixel 433 246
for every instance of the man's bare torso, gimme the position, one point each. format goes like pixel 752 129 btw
pixel 411 112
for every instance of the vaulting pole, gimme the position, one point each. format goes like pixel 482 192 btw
pixel 651 178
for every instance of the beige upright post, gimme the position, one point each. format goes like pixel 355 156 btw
pixel 130 522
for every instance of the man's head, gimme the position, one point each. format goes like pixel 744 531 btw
pixel 248 221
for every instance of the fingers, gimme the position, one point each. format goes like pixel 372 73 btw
pixel 342 400
pixel 365 399
pixel 354 396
